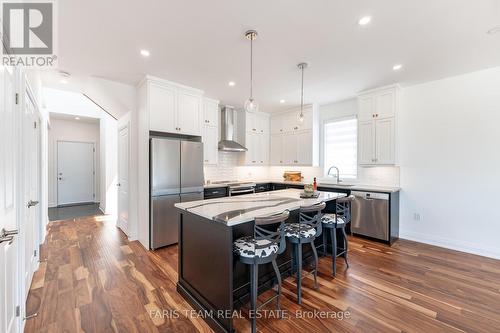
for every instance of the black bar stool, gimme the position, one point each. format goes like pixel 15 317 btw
pixel 332 222
pixel 262 248
pixel 306 231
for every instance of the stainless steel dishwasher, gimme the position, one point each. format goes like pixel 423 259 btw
pixel 370 214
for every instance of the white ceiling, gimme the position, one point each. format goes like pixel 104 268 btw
pixel 200 44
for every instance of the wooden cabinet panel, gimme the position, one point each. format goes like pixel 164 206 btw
pixel 162 108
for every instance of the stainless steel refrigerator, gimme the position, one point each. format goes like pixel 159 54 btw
pixel 176 175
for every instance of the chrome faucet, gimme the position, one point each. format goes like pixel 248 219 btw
pixel 338 172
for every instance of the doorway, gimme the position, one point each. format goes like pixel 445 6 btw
pixel 75 173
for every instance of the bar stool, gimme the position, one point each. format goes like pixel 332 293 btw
pixel 262 248
pixel 305 232
pixel 332 222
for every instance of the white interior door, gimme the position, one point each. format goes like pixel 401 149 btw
pixel 30 224
pixel 123 178
pixel 75 172
pixel 9 255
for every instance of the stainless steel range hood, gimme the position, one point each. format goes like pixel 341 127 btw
pixel 228 118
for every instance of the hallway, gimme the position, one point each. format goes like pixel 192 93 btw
pixel 73 212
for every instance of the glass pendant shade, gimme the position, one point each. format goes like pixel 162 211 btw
pixel 300 117
pixel 251 105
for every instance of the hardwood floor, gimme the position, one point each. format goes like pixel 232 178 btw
pixel 94 280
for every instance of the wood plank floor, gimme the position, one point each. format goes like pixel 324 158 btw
pixel 94 280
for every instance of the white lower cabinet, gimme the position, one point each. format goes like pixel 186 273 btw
pixel 210 145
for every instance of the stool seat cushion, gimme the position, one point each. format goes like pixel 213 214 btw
pixel 330 219
pixel 299 230
pixel 245 247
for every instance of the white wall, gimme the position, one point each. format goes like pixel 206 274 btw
pixel 108 164
pixel 450 162
pixel 70 130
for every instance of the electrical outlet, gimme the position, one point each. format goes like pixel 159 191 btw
pixel 416 216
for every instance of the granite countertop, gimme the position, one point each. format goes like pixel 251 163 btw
pixel 354 187
pixel 244 208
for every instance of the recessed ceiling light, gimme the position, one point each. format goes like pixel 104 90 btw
pixel 145 53
pixel 364 20
pixel 282 101
pixel 494 30
pixel 231 83
pixel 77 118
pixel 397 67
pixel 63 81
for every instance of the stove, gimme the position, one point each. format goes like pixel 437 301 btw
pixel 237 187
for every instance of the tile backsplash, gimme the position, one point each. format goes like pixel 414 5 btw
pixel 228 168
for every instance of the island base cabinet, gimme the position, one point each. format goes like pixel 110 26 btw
pixel 206 268
pixel 213 280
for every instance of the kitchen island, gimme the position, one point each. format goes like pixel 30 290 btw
pixel 210 277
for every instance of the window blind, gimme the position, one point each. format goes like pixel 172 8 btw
pixel 341 146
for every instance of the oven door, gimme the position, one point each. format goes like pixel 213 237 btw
pixel 241 191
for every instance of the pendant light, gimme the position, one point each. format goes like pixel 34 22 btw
pixel 251 104
pixel 302 66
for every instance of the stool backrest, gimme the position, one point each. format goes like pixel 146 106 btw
pixel 344 207
pixel 311 215
pixel 275 236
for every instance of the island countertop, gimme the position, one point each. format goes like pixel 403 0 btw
pixel 245 208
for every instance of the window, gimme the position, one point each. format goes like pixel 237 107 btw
pixel 341 146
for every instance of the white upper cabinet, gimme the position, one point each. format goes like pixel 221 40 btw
pixel 385 104
pixel 172 108
pixel 162 106
pixel 384 140
pixel 257 123
pixel 276 150
pixel 210 131
pixel 366 142
pixel 295 142
pixel 289 121
pixel 210 112
pixel 377 115
pixel 256 137
pixel 189 113
pixel 210 144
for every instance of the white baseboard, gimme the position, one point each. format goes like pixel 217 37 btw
pixel 452 244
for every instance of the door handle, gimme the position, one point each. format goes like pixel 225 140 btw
pixel 4 233
pixel 6 239
pixel 118 184
pixel 32 203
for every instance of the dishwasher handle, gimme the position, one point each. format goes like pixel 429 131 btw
pixel 370 195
